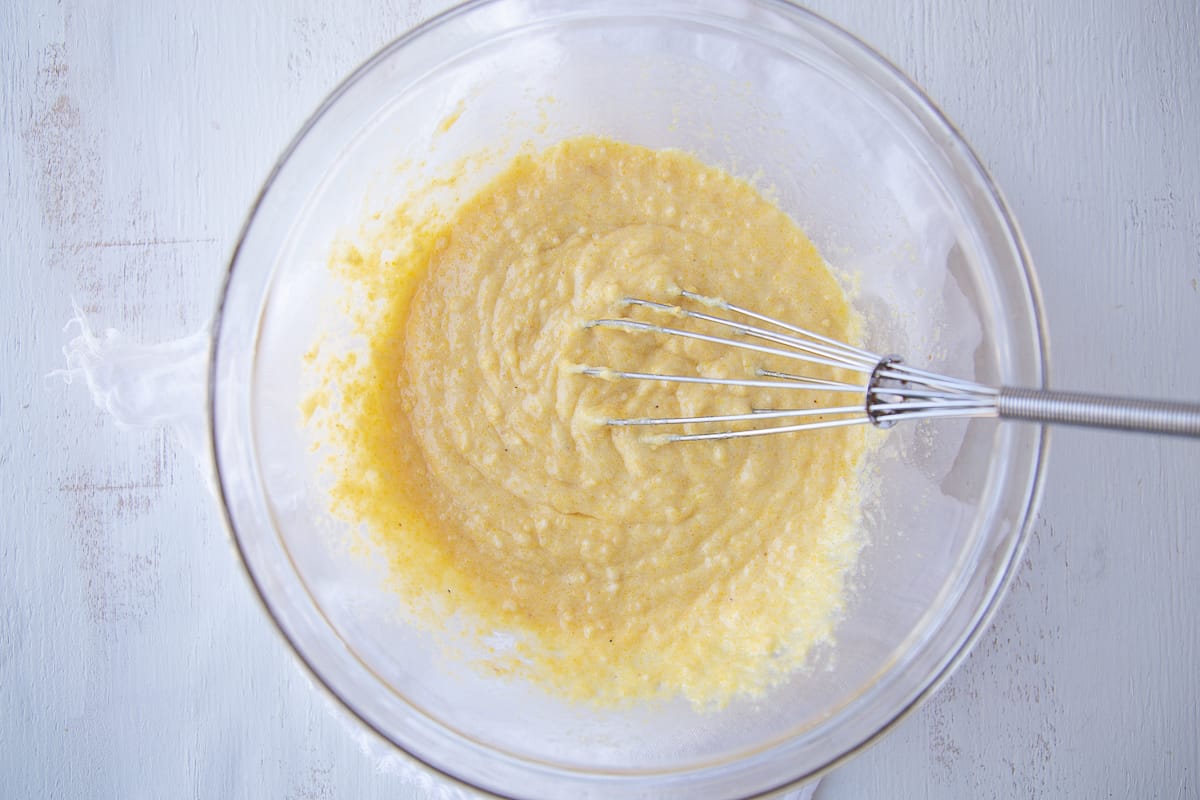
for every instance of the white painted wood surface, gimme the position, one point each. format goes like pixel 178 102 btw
pixel 134 659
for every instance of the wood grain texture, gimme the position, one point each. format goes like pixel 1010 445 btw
pixel 134 659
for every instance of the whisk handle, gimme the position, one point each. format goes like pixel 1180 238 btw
pixel 1100 411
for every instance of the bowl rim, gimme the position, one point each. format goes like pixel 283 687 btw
pixel 829 31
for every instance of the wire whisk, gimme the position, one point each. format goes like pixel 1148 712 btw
pixel 889 390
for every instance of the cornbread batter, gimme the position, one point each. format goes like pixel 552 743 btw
pixel 474 449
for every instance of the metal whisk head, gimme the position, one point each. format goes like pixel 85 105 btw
pixel 889 391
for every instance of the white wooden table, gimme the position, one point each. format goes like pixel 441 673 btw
pixel 134 658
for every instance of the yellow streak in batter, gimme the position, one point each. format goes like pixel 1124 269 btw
pixel 472 447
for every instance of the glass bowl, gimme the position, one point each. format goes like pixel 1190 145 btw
pixel 888 191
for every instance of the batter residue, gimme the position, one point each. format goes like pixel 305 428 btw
pixel 472 447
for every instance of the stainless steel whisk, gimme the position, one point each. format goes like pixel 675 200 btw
pixel 890 390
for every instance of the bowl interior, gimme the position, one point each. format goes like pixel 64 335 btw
pixel 895 202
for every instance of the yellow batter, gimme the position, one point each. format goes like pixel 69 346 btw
pixel 471 445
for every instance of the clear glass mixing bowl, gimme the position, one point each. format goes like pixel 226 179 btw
pixel 885 187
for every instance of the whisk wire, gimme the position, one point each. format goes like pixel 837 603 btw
pixel 799 351
pixel 722 304
pixel 804 426
pixel 825 348
pixel 757 414
pixel 605 372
